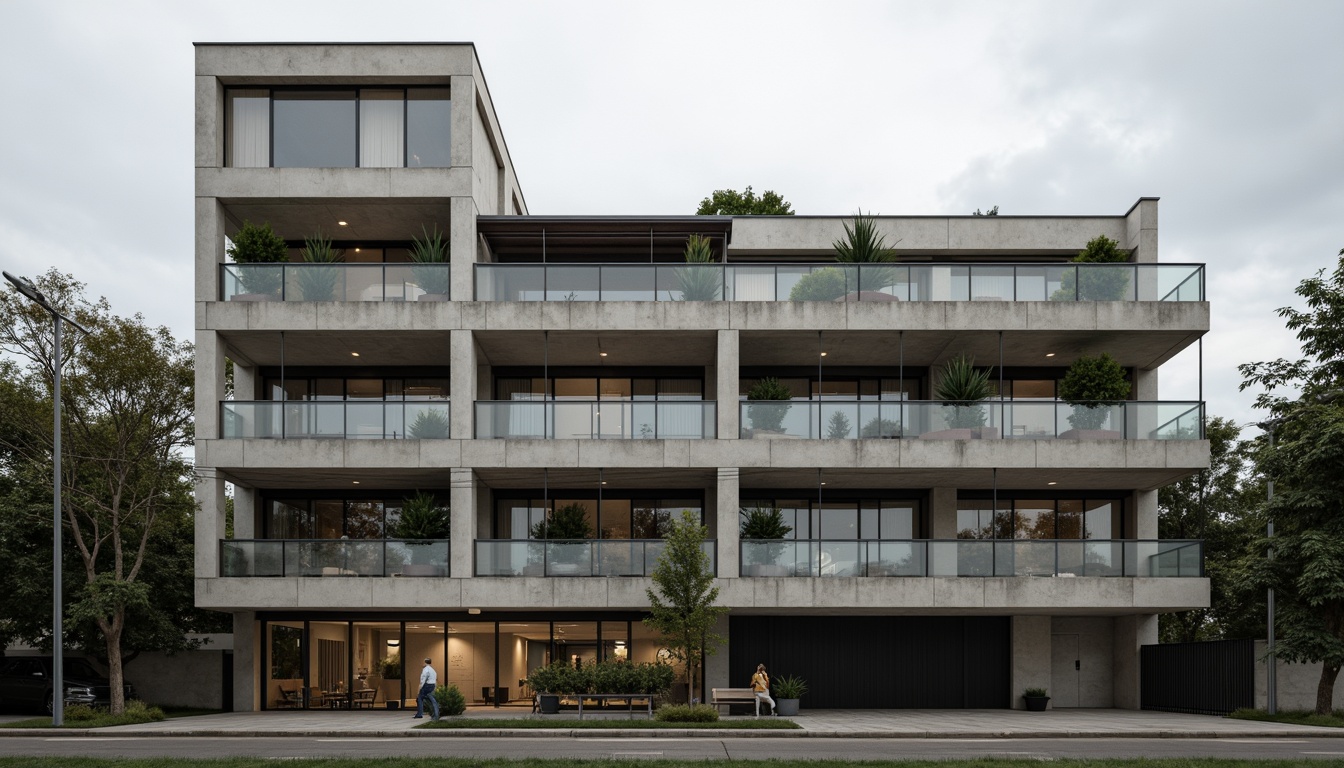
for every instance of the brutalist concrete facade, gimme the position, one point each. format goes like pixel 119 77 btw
pixel 1097 623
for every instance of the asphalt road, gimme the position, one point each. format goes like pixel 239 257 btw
pixel 676 748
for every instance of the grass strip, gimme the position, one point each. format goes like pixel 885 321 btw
pixel 102 721
pixel 1295 717
pixel 450 762
pixel 575 724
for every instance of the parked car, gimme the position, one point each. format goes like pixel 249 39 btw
pixel 25 684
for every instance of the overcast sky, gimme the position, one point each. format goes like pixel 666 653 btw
pixel 1231 112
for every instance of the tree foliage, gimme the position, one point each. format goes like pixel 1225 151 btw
pixel 1307 571
pixel 569 522
pixel 127 401
pixel 682 601
pixel 727 202
pixel 991 212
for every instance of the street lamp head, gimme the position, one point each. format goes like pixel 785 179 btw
pixel 24 286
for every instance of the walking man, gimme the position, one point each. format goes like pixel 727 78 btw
pixel 429 680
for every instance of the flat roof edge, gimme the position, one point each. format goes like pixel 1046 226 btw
pixel 331 42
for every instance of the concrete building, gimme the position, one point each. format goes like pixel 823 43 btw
pixel 578 368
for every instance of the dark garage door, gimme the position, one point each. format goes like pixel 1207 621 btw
pixel 879 662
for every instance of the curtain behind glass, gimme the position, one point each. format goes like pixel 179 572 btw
pixel 249 123
pixel 381 128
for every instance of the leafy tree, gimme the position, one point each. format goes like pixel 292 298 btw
pixel 727 202
pixel 567 522
pixel 1307 572
pixel 838 427
pixel 1214 505
pixel 423 517
pixel 127 394
pixel 682 600
pixel 991 212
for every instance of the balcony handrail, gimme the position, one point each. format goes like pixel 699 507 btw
pixel 634 419
pixel 341 555
pixel 1168 558
pixel 994 417
pixel 276 413
pixel 542 560
pixel 332 281
pixel 960 275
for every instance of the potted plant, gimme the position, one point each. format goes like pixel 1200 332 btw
pixel 559 678
pixel 962 387
pixel 1097 283
pixel 568 526
pixel 763 408
pixel 258 245
pixel 429 425
pixel 318 282
pixel 431 253
pixel 825 284
pixel 759 524
pixel 864 247
pixel 1036 699
pixel 883 428
pixel 699 283
pixel 1093 385
pixel 423 520
pixel 787 691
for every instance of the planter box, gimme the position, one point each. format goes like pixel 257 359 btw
pixel 1036 703
pixel 786 707
pixel 1089 434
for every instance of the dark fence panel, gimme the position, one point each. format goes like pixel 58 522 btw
pixel 879 662
pixel 1210 678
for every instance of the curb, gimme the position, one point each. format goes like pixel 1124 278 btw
pixel 639 733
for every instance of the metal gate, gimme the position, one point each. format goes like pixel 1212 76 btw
pixel 879 662
pixel 1210 678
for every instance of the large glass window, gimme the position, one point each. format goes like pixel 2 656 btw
pixel 620 515
pixel 605 388
pixel 1027 518
pixel 869 519
pixel 302 516
pixel 338 128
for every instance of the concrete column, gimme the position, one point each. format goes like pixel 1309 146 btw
pixel 1145 514
pixel 1131 633
pixel 1141 231
pixel 1145 390
pixel 1031 656
pixel 209 384
pixel 244 512
pixel 210 228
pixel 463 116
pixel 244 381
pixel 209 486
pixel 246 656
pixel 728 506
pixel 463 380
pixel 726 387
pixel 209 523
pixel 463 514
pixel 462 248
pixel 716 664
pixel 943 513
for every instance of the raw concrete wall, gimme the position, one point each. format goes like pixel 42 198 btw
pixel 187 679
pixel 1296 683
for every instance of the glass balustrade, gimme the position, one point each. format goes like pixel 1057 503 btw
pixel 989 419
pixel 973 557
pixel 334 282
pixel 333 557
pixel 351 420
pixel 840 282
pixel 588 557
pixel 595 420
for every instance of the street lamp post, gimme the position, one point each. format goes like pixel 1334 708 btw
pixel 57 637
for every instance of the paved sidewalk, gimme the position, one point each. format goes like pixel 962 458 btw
pixel 949 724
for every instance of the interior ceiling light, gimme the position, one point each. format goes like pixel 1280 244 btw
pixel 1052 482
pixel 354 354
pixel 474 611
pixel 601 354
pixel 1049 354
pixel 356 482
pixel 823 354
pixel 342 223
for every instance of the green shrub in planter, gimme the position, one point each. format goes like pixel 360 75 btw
pixel 1090 385
pixel 569 522
pixel 768 417
pixel 450 698
pixel 787 687
pixel 423 517
pixel 429 425
pixel 259 244
pixel 1099 284
pixel 962 387
pixel 826 284
pixel 687 713
pixel 1035 693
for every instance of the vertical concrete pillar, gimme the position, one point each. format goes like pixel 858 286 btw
pixel 716 664
pixel 1145 514
pixel 463 380
pixel 246 658
pixel 244 512
pixel 1146 420
pixel 1031 656
pixel 1141 231
pixel 463 115
pixel 209 384
pixel 462 248
pixel 726 385
pixel 210 230
pixel 728 505
pixel 1131 634
pixel 209 523
pixel 942 513
pixel 209 486
pixel 462 541
pixel 244 381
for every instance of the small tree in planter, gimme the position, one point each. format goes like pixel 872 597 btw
pixel 787 693
pixel 429 425
pixel 838 427
pixel 423 519
pixel 569 522
pixel 699 283
pixel 259 244
pixel 431 251
pixel 768 417
pixel 962 387
pixel 825 284
pixel 879 427
pixel 1091 385
pixel 682 601
pixel 760 524
pixel 1101 284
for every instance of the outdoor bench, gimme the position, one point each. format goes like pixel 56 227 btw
pixel 722 697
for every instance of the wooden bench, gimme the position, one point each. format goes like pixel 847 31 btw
pixel 722 697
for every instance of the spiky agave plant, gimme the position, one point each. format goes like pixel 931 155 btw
pixel 699 283
pixel 431 252
pixel 962 387
pixel 318 283
pixel 863 244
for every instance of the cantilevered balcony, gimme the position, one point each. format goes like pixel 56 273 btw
pixel 595 420
pixel 840 282
pixel 602 557
pixel 974 557
pixel 345 419
pixel 1010 419
pixel 333 557
pixel 334 282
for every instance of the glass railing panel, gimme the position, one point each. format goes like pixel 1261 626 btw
pixel 933 420
pixel 364 421
pixel 619 557
pixel 573 283
pixel 1171 282
pixel 879 420
pixel 992 283
pixel 897 558
pixel 842 558
pixel 576 420
pixel 511 282
pixel 515 419
pixel 689 282
pixel 255 282
pixel 417 558
pixel 628 283
pixel 419 282
pixel 1170 559
pixel 1106 282
pixel 426 419
pixel 838 420
pixel 510 558
pixel 1170 421
pixel 879 281
pixel 251 558
pixel 1103 558
pixel 569 558
pixel 1038 282
pixel 746 283
pixel 249 420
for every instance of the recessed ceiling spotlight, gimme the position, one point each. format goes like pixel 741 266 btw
pixel 474 611
pixel 604 482
pixel 823 482
pixel 354 482
pixel 356 250
pixel 354 354
pixel 1052 482
pixel 823 354
pixel 342 223
pixel 601 354
pixel 1049 354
